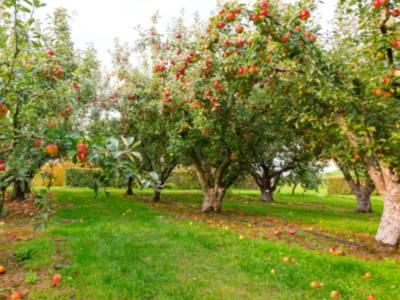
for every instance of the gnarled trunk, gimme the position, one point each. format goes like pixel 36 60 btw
pixel 213 199
pixel 212 183
pixel 389 228
pixel 387 183
pixel 267 195
pixel 267 184
pixel 362 189
pixel 364 202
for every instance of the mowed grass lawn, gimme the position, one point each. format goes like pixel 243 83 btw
pixel 121 248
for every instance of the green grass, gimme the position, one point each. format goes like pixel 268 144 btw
pixel 332 212
pixel 121 249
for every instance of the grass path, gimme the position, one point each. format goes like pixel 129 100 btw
pixel 118 248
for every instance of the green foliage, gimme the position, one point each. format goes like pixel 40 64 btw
pixel 86 177
pixel 339 186
pixel 183 178
pixel 80 177
pixel 117 160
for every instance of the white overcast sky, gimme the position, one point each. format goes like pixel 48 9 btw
pixel 99 22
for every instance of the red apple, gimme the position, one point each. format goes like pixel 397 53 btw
pixel 50 52
pixel 305 14
pixel 239 28
pixel 52 149
pixel 2 165
pixel 378 92
pixel 388 94
pixel 231 16
pixel 2 270
pixel 240 43
pixel 76 86
pixel 3 110
pixel 284 38
pixel 256 18
pixel 81 148
pixel 52 123
pixel 396 12
pixel 56 280
pixel 312 38
pixel 59 72
pixel 378 3
pixel 371 296
pixel 292 231
pixel 386 80
pixel 396 43
pixel 83 157
pixel 37 143
pixel 221 24
pixel 242 70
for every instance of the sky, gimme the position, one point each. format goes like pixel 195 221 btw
pixel 99 22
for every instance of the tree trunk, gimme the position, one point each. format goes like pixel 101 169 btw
pixel 213 199
pixel 129 190
pixel 294 189
pixel 364 202
pixel 389 228
pixel 361 190
pixel 267 195
pixel 388 185
pixel 157 195
pixel 18 193
pixel 2 200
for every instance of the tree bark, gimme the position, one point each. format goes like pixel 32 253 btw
pixel 157 195
pixel 129 190
pixel 361 190
pixel 389 228
pixel 364 202
pixel 211 182
pixel 213 199
pixel 267 195
pixel 388 185
pixel 18 193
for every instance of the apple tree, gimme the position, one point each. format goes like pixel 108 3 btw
pixel 142 117
pixel 37 96
pixel 279 151
pixel 355 84
pixel 209 76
